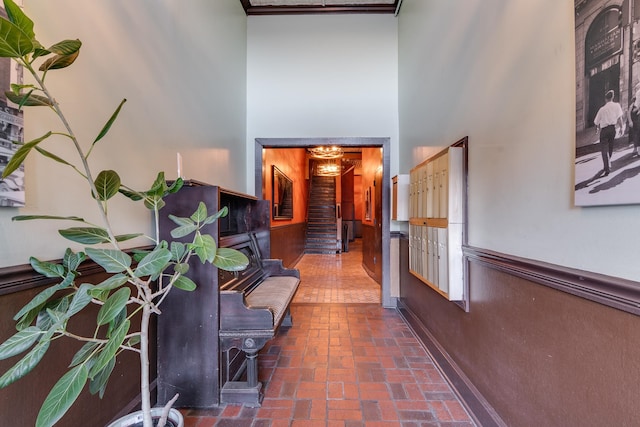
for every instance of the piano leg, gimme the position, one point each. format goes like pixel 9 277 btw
pixel 247 392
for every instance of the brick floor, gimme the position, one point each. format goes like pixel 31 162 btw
pixel 346 362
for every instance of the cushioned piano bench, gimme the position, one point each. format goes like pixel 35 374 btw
pixel 254 304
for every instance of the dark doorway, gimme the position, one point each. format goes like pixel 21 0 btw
pixel 599 84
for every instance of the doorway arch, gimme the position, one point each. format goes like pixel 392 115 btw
pixel 385 221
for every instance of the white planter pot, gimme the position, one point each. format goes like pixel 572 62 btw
pixel 136 418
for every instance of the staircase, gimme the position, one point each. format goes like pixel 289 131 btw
pixel 321 217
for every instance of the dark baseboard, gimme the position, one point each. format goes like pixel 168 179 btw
pixel 480 410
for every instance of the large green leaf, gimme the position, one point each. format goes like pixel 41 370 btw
pixel 83 354
pixel 80 300
pixel 66 47
pixel 200 214
pixel 62 396
pixel 52 314
pixel 205 247
pixel 183 230
pixel 99 382
pixel 221 213
pixel 19 342
pixel 154 263
pixel 109 351
pixel 14 41
pixel 184 283
pixel 57 318
pixel 181 268
pixel 42 297
pixel 32 217
pixel 25 365
pixel 177 251
pixel 46 268
pixel 66 53
pixel 18 157
pixel 154 203
pixel 131 194
pixel 52 156
pixel 230 259
pixel 107 125
pixel 112 282
pixel 180 220
pixel 125 237
pixel 17 16
pixel 59 61
pixel 26 320
pixel 114 305
pixel 115 323
pixel 85 235
pixel 72 260
pixel 112 260
pixel 107 184
pixel 176 186
pixel 28 99
pixel 158 187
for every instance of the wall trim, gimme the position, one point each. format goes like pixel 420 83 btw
pixel 23 277
pixel 618 293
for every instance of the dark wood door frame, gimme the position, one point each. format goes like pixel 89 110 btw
pixel 385 143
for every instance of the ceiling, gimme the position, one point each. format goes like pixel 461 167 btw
pixel 291 7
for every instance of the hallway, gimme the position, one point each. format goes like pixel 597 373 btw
pixel 346 362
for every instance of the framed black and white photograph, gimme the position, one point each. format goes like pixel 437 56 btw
pixel 11 133
pixel 607 56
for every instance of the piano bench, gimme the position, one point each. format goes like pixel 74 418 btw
pixel 275 293
pixel 254 304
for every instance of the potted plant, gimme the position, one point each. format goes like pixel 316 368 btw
pixel 138 281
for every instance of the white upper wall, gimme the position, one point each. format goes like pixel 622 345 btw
pixel 182 67
pixel 322 76
pixel 502 72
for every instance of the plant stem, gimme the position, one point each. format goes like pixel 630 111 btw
pixel 78 148
pixel 145 393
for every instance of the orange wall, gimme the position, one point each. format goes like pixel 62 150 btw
pixel 371 161
pixel 292 162
pixel 358 197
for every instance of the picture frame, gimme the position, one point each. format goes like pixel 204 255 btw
pixel 281 195
pixel 607 58
pixel 12 188
pixel 367 204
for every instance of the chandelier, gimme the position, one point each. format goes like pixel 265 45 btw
pixel 328 169
pixel 326 152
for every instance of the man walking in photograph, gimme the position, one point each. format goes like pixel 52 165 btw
pixel 608 121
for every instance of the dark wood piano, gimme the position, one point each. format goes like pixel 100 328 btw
pixel 209 339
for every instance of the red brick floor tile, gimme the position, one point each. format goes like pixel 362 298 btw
pixel 344 414
pixel 318 410
pixel 231 411
pixel 344 404
pixel 308 423
pixel 302 410
pixel 335 390
pixel 343 365
pixel 440 410
pixel 374 391
pixel 457 411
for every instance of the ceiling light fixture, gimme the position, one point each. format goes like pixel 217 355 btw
pixel 328 169
pixel 326 152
